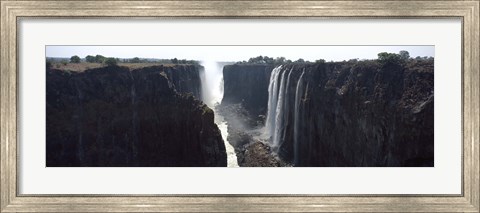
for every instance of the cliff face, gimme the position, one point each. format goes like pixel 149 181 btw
pixel 112 116
pixel 186 79
pixel 366 114
pixel 248 85
pixel 363 113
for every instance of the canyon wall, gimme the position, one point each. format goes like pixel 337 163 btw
pixel 247 85
pixel 365 113
pixel 186 79
pixel 114 116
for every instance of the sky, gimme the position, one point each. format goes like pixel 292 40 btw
pixel 237 53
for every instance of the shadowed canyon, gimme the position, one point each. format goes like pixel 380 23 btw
pixel 355 113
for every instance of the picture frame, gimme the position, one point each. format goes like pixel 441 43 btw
pixel 12 11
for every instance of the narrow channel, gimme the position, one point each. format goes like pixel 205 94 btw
pixel 212 94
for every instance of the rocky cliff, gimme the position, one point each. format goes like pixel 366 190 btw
pixel 365 113
pixel 114 116
pixel 247 85
pixel 186 79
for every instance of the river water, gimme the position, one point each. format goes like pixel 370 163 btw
pixel 212 94
pixel 223 126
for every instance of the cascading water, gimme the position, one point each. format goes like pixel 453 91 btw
pixel 278 112
pixel 296 125
pixel 212 94
pixel 272 100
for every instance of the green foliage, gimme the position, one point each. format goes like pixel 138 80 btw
pixel 174 60
pixel 49 65
pixel 100 58
pixel 391 58
pixel 265 60
pixel 300 60
pixel 280 60
pixel 111 61
pixel 405 55
pixel 75 59
pixel 320 61
pixel 90 59
pixel 135 60
pixel 64 62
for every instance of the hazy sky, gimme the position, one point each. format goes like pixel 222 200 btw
pixel 237 53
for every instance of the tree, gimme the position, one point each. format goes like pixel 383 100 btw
pixel 268 60
pixel 75 59
pixel 174 61
pixel 404 55
pixel 389 58
pixel 99 58
pixel 135 60
pixel 280 60
pixel 111 61
pixel 320 61
pixel 300 60
pixel 90 59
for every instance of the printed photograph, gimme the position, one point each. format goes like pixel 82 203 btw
pixel 239 106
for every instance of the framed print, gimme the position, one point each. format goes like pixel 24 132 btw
pixel 239 106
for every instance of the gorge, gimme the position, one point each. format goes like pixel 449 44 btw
pixel 370 113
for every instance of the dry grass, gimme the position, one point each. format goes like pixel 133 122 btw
pixel 133 66
pixel 80 67
pixel 76 67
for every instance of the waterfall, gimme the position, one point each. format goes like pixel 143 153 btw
pixel 272 100
pixel 280 113
pixel 286 105
pixel 212 83
pixel 212 94
pixel 296 124
pixel 282 100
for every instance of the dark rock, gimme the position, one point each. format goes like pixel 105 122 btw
pixel 248 85
pixel 258 154
pixel 112 116
pixel 351 114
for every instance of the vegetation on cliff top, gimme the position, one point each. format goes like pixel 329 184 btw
pixel 401 58
pixel 77 64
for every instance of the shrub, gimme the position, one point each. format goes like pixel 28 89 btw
pixel 135 60
pixel 111 61
pixel 385 58
pixel 405 55
pixel 75 59
pixel 300 60
pixel 99 58
pixel 90 59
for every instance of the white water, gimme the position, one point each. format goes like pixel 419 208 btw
pixel 279 112
pixel 296 128
pixel 272 101
pixel 212 94
pixel 278 107
pixel 212 83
